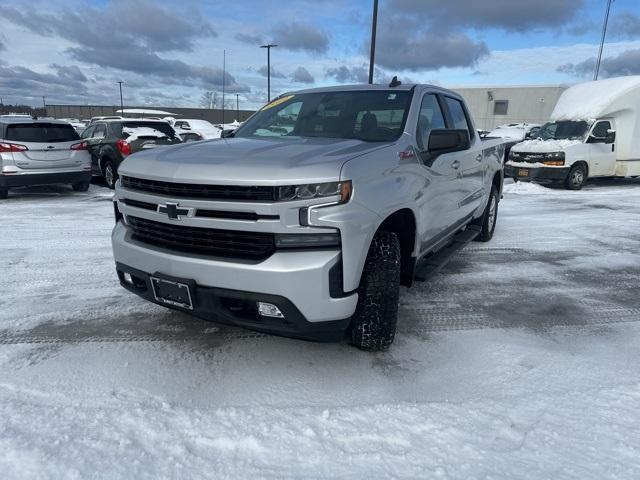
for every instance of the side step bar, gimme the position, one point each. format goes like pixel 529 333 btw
pixel 432 264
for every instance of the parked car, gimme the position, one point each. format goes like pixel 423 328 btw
pixel 310 234
pixel 111 141
pixel 37 152
pixel 512 133
pixel 75 123
pixel 191 130
pixel 594 131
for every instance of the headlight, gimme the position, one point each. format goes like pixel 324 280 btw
pixel 513 155
pixel 307 240
pixel 555 159
pixel 315 190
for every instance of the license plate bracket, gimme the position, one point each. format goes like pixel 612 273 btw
pixel 172 292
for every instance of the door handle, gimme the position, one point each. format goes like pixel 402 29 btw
pixel 479 158
pixel 455 165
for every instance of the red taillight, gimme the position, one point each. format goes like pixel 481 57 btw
pixel 123 147
pixel 80 146
pixel 12 147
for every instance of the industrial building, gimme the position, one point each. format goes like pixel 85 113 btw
pixel 493 106
pixel 88 111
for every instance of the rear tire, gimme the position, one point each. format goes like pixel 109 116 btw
pixel 110 174
pixel 577 177
pixel 373 325
pixel 4 193
pixel 80 186
pixel 487 222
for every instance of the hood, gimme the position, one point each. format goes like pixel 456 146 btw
pixel 544 146
pixel 249 161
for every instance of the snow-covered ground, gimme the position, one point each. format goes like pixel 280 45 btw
pixel 520 360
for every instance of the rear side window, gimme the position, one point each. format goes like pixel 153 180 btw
pixel 430 118
pixel 42 133
pixel 101 131
pixel 458 116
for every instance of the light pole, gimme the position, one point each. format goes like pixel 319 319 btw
pixel 224 70
pixel 374 24
pixel 237 107
pixel 121 103
pixel 604 33
pixel 268 46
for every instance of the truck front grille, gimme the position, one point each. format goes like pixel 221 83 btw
pixel 193 190
pixel 207 241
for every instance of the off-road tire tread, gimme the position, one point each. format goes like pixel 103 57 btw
pixel 373 326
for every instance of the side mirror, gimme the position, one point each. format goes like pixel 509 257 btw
pixel 611 136
pixel 445 141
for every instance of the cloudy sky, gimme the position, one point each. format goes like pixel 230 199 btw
pixel 169 53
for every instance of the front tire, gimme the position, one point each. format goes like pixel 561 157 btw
pixel 487 222
pixel 577 177
pixel 80 186
pixel 110 174
pixel 373 325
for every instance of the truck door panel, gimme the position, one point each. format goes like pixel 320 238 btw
pixel 602 155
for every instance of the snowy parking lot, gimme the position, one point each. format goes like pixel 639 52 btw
pixel 519 360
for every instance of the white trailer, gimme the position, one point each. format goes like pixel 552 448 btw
pixel 594 131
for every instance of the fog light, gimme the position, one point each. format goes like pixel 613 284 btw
pixel 269 310
pixel 127 278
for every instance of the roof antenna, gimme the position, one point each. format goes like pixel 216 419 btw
pixel 395 82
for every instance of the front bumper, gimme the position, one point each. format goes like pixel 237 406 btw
pixel 537 174
pixel 26 179
pixel 298 280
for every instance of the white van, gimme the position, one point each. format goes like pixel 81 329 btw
pixel 594 131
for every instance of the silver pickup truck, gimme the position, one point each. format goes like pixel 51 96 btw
pixel 308 219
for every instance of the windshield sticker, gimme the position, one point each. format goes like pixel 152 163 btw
pixel 277 102
pixel 392 96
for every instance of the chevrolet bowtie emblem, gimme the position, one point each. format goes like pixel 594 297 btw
pixel 174 211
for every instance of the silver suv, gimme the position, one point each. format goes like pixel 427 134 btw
pixel 37 152
pixel 309 218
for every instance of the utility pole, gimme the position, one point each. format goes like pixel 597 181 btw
pixel 121 102
pixel 237 107
pixel 44 103
pixel 374 25
pixel 224 71
pixel 268 46
pixel 604 34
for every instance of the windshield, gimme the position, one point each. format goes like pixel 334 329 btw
pixel 42 133
pixel 371 116
pixel 568 130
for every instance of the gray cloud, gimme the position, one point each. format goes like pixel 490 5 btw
pixel 69 72
pixel 152 27
pixel 116 38
pixel 2 45
pixel 274 73
pixel 625 25
pixel 505 14
pixel 27 83
pixel 344 74
pixel 302 75
pixel 427 50
pixel 301 36
pixel 626 63
pixel 249 38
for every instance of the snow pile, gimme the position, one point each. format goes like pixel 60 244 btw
pixel 137 132
pixel 538 145
pixel 590 100
pixel 526 188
